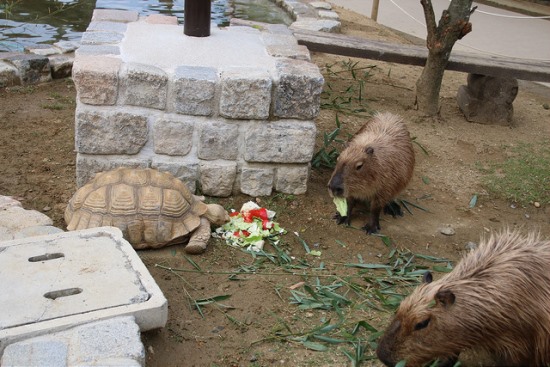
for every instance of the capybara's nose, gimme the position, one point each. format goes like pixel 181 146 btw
pixel 336 185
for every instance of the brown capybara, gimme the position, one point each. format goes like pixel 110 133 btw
pixel 496 300
pixel 376 165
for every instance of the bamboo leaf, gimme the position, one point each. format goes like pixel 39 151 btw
pixel 315 346
pixel 365 325
pixel 368 266
pixel 193 263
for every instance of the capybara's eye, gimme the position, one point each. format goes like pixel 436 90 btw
pixel 359 165
pixel 422 324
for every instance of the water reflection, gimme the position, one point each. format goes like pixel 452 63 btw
pixel 27 22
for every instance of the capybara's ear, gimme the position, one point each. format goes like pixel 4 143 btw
pixel 427 277
pixel 369 150
pixel 445 297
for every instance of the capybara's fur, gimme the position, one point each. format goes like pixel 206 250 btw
pixel 496 301
pixel 376 165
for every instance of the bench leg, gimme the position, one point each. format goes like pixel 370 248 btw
pixel 488 100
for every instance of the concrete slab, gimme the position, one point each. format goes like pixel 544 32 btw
pixel 50 283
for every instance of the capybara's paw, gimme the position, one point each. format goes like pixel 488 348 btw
pixel 340 219
pixel 393 208
pixel 370 228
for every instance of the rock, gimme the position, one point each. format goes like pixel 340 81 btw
pixel 536 204
pixel 488 100
pixel 470 246
pixel 447 231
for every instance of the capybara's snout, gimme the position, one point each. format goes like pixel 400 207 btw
pixel 336 185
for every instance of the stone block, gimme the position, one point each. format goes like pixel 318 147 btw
pixel 280 142
pixel 276 39
pixel 88 165
pixel 194 88
pixel 173 135
pixel 487 99
pixel 42 50
pixel 32 69
pixel 217 178
pixel 299 9
pixel 14 219
pixel 298 90
pixel 218 140
pixel 321 5
pixel 39 351
pixel 8 75
pixel 98 50
pixel 8 201
pixel 61 66
pixel 187 170
pixel 291 52
pixel 292 179
pixel 109 132
pixel 67 46
pixel 326 14
pixel 101 38
pixel 114 338
pixel 115 27
pixel 96 79
pixel 143 85
pixel 245 93
pixel 257 181
pixel 318 25
pixel 111 15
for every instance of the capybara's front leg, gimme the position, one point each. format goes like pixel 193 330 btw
pixel 346 220
pixel 373 225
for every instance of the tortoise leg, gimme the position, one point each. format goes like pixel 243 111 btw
pixel 199 238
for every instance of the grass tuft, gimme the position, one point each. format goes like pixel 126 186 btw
pixel 524 177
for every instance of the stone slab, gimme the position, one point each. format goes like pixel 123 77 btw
pixel 50 283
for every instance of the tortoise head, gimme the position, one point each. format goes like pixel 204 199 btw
pixel 216 214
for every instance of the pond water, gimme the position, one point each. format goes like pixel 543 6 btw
pixel 28 22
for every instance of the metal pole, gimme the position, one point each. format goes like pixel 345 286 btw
pixel 374 11
pixel 196 18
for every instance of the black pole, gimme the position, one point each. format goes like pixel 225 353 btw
pixel 196 18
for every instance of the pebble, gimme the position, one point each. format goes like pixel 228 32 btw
pixel 447 231
pixel 536 204
pixel 470 246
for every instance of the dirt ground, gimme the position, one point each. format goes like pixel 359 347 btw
pixel 38 168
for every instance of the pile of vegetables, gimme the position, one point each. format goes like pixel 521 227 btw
pixel 250 227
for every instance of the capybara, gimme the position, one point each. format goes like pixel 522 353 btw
pixel 496 301
pixel 376 165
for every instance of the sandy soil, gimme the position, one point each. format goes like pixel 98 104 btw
pixel 38 167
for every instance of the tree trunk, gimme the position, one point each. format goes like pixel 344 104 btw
pixel 453 25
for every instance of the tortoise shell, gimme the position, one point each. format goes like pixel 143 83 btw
pixel 151 208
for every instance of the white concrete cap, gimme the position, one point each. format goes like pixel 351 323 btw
pixel 50 283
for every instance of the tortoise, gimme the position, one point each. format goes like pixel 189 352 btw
pixel 153 209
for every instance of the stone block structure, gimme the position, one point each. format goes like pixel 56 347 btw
pixel 228 113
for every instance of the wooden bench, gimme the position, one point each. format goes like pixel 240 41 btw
pixel 486 73
pixel 500 67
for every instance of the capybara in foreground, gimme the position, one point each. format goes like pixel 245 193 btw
pixel 496 300
pixel 376 165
